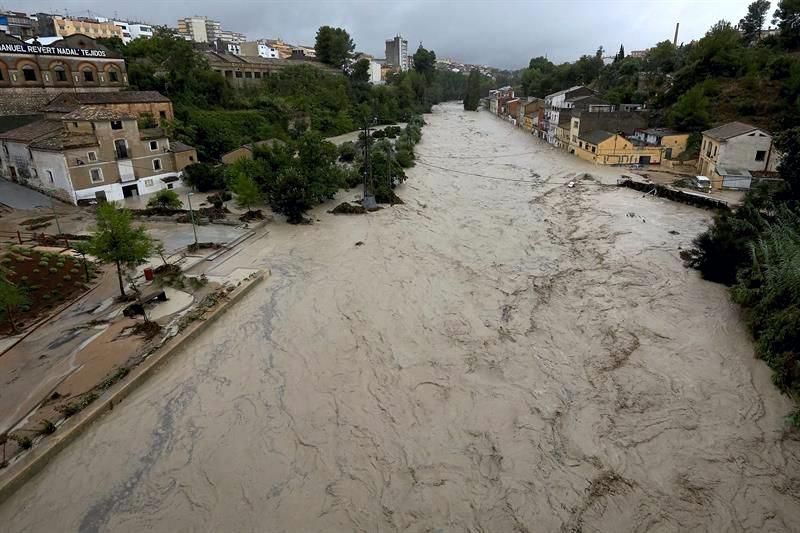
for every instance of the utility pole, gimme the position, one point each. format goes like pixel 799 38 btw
pixel 191 216
pixel 369 195
pixel 53 207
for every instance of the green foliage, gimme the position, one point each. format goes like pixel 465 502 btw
pixel 425 62
pixel 11 298
pixel 333 46
pixel 246 191
pixel 290 195
pixel 753 21
pixel 203 177
pixel 116 240
pixel 473 96
pixel 787 17
pixel 165 198
pixel 691 112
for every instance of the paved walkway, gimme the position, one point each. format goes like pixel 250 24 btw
pixel 18 197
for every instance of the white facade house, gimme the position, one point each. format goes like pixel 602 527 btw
pixel 134 30
pixel 728 154
pixel 557 102
pixel 268 52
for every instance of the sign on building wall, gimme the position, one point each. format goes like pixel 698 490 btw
pixel 50 50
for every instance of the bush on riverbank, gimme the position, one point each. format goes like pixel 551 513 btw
pixel 756 250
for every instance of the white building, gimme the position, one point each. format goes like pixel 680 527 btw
pixel 134 30
pixel 555 103
pixel 728 154
pixel 259 48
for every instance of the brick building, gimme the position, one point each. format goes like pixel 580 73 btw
pixel 31 75
pixel 144 105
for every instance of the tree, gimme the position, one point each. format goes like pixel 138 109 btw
pixel 788 143
pixel 691 112
pixel 620 55
pixel 11 297
pixel 203 177
pixel 359 74
pixel 165 198
pixel 753 21
pixel 116 240
pixel 473 96
pixel 290 195
pixel 246 191
pixel 787 17
pixel 425 62
pixel 334 46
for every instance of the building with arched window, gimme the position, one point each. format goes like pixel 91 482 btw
pixel 32 74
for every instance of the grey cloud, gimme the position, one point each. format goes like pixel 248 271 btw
pixel 501 34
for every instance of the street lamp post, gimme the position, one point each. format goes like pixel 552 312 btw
pixel 191 217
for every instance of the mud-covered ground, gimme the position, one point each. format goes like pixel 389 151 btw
pixel 499 355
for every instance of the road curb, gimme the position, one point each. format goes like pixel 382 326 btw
pixel 15 475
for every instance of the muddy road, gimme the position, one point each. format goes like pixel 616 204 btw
pixel 499 355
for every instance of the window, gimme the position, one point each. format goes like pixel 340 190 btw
pixel 88 75
pixel 761 155
pixel 91 156
pixel 116 124
pixel 257 74
pixel 74 124
pixel 121 148
pixel 50 176
pixel 156 164
pixel 191 158
pixel 96 175
pixel 594 149
pixel 61 74
pixel 715 151
pixel 113 76
pixel 1 75
pixel 162 114
pixel 148 183
pixel 238 74
pixel 248 75
pixel 153 146
pixel 29 74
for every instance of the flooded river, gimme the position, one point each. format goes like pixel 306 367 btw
pixel 503 353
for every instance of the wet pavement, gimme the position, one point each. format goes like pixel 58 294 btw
pixel 503 353
pixel 18 197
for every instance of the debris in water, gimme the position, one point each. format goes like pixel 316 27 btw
pixel 571 184
pixel 673 232
pixel 360 243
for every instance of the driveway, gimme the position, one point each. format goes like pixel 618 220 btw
pixel 18 197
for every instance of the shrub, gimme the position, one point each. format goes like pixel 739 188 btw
pixel 347 152
pixel 405 158
pixel 67 277
pixel 53 270
pixel 36 271
pixel 23 441
pixel 165 199
pixel 73 270
pixel 44 263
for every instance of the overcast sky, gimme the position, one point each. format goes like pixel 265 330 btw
pixel 502 34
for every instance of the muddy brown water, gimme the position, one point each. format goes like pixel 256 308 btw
pixel 497 356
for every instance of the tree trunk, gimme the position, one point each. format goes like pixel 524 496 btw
pixel 11 319
pixel 119 277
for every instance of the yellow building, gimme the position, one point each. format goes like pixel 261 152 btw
pixel 604 148
pixel 674 143
pixel 91 28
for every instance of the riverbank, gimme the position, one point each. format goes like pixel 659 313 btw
pixel 501 352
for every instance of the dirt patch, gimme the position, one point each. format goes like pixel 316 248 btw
pixel 249 216
pixel 47 280
pixel 346 208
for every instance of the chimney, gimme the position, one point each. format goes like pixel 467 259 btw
pixel 675 39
